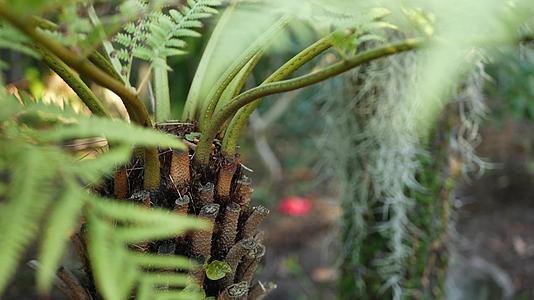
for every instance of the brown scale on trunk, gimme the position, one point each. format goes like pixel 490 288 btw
pixel 228 229
pixel 243 191
pixel 259 290
pixel 234 256
pixel 198 274
pixel 201 239
pixel 142 197
pixel 237 291
pixel 181 205
pixel 205 195
pixel 80 246
pixel 247 268
pixel 224 180
pixel 259 237
pixel 179 170
pixel 120 184
pixel 220 193
pixel 251 224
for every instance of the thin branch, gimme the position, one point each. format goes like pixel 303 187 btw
pixel 204 146
pixel 108 47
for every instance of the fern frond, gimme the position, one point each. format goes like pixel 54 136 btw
pixel 28 195
pixel 12 39
pixel 60 225
pixel 39 170
pixel 128 213
pixel 161 262
pixel 95 169
pixel 110 245
pixel 159 35
pixel 113 130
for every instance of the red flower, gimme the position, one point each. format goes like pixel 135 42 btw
pixel 295 206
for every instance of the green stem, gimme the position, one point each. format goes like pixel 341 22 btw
pixel 108 47
pixel 135 107
pixel 74 81
pixel 240 119
pixel 96 58
pixel 161 88
pixel 133 104
pixel 257 47
pixel 239 81
pixel 203 150
pixel 103 63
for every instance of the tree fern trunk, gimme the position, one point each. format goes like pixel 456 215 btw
pixel 186 188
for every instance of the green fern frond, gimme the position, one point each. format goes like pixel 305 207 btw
pixel 60 225
pixel 113 130
pixel 109 245
pixel 11 39
pixel 43 177
pixel 95 169
pixel 159 35
pixel 125 212
pixel 28 194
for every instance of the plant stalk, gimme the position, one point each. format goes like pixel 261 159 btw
pixel 74 81
pixel 240 119
pixel 193 98
pixel 256 48
pixel 161 88
pixel 202 154
pixel 135 107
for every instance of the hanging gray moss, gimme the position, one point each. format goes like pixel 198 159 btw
pixel 396 176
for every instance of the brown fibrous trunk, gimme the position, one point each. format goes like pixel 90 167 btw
pixel 219 193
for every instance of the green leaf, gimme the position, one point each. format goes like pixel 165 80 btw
pixel 128 212
pixel 113 130
pixel 28 196
pixel 60 225
pixel 93 169
pixel 166 279
pixel 103 262
pixel 192 136
pixel 152 261
pixel 10 106
pixel 217 270
pixel 147 232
